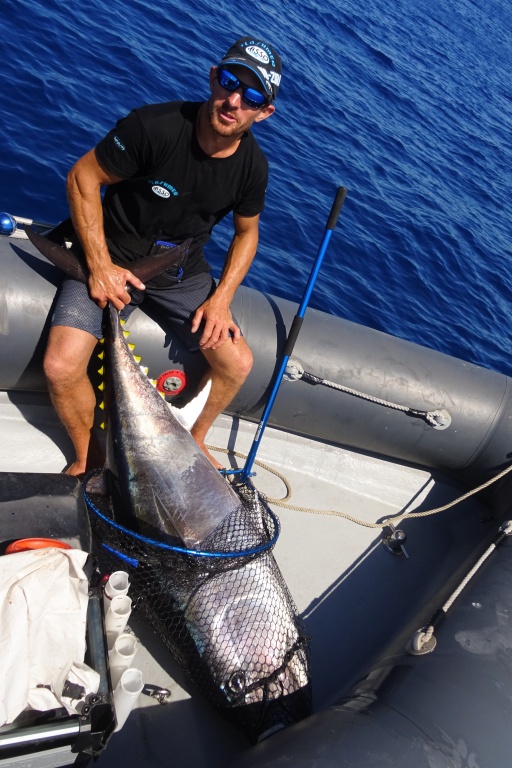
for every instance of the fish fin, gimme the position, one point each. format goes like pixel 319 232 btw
pixel 64 258
pixel 144 268
pixel 187 416
pixel 154 264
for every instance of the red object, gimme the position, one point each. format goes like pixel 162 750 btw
pixel 21 545
pixel 171 382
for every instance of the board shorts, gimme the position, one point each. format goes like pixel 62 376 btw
pixel 175 305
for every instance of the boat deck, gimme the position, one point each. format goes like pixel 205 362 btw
pixel 351 592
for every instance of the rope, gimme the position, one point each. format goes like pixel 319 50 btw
pixel 438 418
pixel 312 379
pixel 392 519
pixel 468 577
pixel 423 640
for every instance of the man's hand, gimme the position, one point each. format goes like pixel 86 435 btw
pixel 219 325
pixel 111 284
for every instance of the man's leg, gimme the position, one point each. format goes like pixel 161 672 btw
pixel 65 365
pixel 230 365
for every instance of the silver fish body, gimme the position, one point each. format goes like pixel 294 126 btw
pixel 234 628
pixel 246 634
pixel 163 478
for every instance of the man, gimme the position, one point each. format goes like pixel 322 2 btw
pixel 172 171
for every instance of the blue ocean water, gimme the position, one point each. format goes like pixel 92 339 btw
pixel 408 104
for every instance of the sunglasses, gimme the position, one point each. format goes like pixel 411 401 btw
pixel 250 96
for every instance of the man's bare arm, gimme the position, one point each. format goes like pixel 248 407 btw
pixel 107 281
pixel 215 312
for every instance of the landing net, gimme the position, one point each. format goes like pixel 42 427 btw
pixel 223 611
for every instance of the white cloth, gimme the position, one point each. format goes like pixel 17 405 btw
pixel 43 615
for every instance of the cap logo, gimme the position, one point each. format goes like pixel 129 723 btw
pixel 257 53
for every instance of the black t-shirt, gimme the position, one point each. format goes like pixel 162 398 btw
pixel 171 189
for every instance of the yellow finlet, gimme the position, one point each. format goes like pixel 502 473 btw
pixel 101 371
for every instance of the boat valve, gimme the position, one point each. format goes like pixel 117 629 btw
pixel 171 382
pixel 395 541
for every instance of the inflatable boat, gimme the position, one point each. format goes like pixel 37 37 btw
pixel 387 464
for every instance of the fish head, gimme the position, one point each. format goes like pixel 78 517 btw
pixel 249 636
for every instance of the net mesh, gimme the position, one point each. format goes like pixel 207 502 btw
pixel 224 612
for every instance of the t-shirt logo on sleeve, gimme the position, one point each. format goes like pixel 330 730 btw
pixel 163 188
pixel 119 144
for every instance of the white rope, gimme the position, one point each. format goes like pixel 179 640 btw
pixel 350 518
pixel 421 641
pixel 439 419
pixel 507 530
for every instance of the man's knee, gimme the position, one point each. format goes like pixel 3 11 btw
pixel 245 362
pixel 231 361
pixel 67 356
pixel 52 362
pixel 239 361
pixel 57 369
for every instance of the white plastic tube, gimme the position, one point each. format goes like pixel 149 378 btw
pixel 121 656
pixel 126 694
pixel 116 617
pixel 117 584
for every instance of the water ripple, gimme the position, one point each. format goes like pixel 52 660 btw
pixel 408 107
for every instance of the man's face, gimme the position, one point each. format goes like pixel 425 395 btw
pixel 229 115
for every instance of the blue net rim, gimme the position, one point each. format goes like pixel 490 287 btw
pixel 184 550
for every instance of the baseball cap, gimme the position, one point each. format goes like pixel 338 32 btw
pixel 262 58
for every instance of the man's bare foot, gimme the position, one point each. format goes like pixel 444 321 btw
pixel 74 470
pixel 78 469
pixel 95 458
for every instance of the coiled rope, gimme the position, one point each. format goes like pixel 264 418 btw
pixel 385 523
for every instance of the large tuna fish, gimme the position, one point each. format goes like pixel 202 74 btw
pixel 227 617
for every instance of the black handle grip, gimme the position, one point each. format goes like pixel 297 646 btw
pixel 336 207
pixel 292 336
